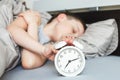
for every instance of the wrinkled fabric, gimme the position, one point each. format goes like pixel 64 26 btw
pixel 9 50
pixel 100 38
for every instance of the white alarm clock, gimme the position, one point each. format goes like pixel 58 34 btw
pixel 70 60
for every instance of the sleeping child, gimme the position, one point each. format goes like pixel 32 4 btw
pixel 24 31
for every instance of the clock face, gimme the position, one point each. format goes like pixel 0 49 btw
pixel 69 61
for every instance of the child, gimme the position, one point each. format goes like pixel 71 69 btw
pixel 24 31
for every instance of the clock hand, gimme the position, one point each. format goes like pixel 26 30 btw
pixel 75 59
pixel 68 63
pixel 71 61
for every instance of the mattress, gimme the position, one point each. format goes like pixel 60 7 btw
pixel 101 68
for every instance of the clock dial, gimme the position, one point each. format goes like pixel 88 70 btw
pixel 69 61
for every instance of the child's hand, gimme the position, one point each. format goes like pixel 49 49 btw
pixel 31 17
pixel 49 52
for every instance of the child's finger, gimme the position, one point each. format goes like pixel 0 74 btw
pixel 20 15
pixel 47 53
pixel 52 57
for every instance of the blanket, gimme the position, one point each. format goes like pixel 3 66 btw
pixel 9 51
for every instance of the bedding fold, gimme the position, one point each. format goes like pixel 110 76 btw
pixel 9 51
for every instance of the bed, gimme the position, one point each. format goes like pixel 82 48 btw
pixel 99 68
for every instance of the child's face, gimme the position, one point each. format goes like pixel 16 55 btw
pixel 68 27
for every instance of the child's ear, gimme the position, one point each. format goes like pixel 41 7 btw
pixel 61 17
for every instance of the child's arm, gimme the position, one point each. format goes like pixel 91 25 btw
pixel 31 59
pixel 32 18
pixel 18 30
pixel 26 36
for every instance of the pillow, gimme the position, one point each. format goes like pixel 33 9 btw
pixel 100 38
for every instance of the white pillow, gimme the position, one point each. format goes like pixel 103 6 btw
pixel 100 38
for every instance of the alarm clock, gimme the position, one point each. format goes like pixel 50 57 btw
pixel 70 60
